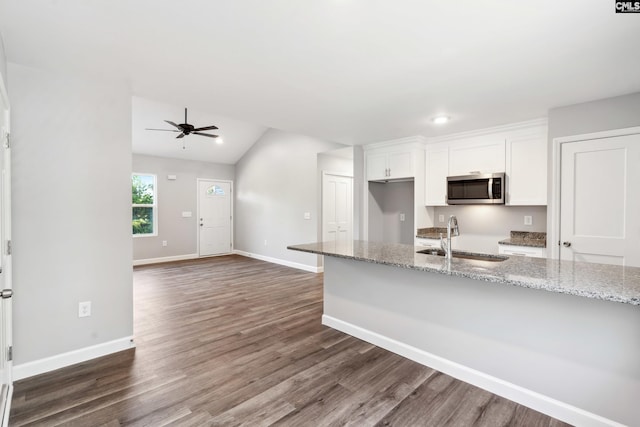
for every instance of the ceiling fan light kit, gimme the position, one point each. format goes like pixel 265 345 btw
pixel 187 129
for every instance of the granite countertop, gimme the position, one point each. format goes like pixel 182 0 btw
pixel 431 232
pixel 526 238
pixel 596 281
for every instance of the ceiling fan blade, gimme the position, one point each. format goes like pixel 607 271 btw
pixel 173 124
pixel 180 136
pixel 205 134
pixel 206 128
pixel 166 130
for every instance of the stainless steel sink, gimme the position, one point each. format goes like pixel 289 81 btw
pixel 465 255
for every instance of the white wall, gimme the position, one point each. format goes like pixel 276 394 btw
pixel 71 212
pixel 174 197
pixel 276 183
pixel 483 226
pixel 3 63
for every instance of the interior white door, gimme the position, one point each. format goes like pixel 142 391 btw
pixel 214 217
pixel 337 208
pixel 600 200
pixel 6 339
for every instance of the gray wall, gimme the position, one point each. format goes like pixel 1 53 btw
pixel 71 212
pixel 604 114
pixel 276 183
pixel 174 197
pixel 386 202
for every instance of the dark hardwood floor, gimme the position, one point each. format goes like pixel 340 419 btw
pixel 235 341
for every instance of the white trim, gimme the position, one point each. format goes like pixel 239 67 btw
pixel 7 408
pixel 553 229
pixel 417 140
pixel 232 199
pixel 529 398
pixel 291 264
pixel 164 259
pixel 37 367
pixel 485 131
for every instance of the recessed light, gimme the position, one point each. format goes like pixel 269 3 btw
pixel 219 141
pixel 439 120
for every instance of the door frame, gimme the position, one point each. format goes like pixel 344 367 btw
pixel 232 199
pixel 554 207
pixel 7 268
pixel 344 175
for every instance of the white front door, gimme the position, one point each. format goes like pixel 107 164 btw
pixel 5 261
pixel 337 208
pixel 600 200
pixel 214 217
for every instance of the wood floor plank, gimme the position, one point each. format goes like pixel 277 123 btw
pixel 232 341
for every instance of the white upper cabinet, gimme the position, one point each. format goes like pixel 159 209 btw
pixel 519 150
pixel 527 169
pixel 437 170
pixel 385 165
pixel 480 155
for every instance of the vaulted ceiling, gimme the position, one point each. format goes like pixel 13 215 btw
pixel 350 71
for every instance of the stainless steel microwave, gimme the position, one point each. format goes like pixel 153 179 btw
pixel 476 189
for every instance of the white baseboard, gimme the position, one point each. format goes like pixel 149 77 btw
pixel 164 259
pixel 291 264
pixel 539 402
pixel 37 367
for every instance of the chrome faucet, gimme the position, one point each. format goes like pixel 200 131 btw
pixel 446 245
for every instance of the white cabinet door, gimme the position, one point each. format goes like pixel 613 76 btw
pixel 377 167
pixel 390 165
pixel 437 164
pixel 401 165
pixel 479 156
pixel 527 170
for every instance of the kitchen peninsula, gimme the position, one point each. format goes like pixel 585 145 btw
pixel 560 337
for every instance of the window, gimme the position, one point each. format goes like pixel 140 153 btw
pixel 144 204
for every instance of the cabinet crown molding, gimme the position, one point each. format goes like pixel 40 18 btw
pixel 529 124
pixel 417 141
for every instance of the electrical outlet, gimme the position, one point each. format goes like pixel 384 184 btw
pixel 307 215
pixel 164 243
pixel 84 309
pixel 441 218
pixel 528 220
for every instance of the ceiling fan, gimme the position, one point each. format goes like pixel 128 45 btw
pixel 187 129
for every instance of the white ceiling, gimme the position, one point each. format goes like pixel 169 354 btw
pixel 237 136
pixel 351 71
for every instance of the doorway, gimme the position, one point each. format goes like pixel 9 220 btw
pixel 215 217
pixel 599 204
pixel 337 208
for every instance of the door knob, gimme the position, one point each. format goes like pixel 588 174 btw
pixel 566 244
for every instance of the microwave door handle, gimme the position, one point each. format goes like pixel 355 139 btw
pixel 490 188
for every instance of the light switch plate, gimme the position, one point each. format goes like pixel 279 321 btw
pixel 441 218
pixel 401 217
pixel 307 215
pixel 186 214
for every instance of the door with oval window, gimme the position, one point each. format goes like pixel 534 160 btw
pixel 214 217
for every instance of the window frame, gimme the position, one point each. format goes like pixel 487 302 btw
pixel 154 206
